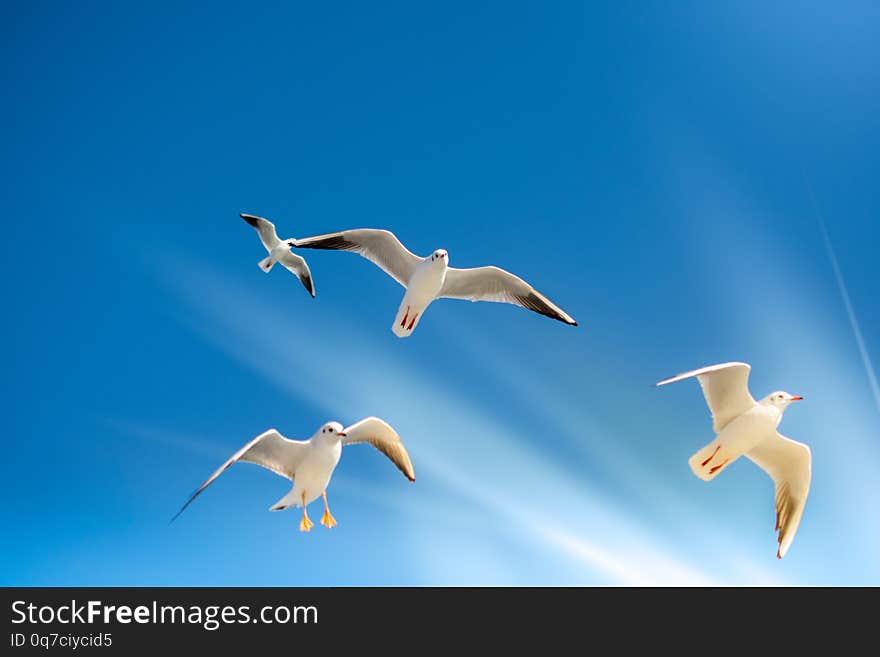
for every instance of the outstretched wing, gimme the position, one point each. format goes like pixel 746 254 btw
pixel 380 247
pixel 270 450
pixel 380 435
pixel 495 284
pixel 726 389
pixel 300 268
pixel 789 464
pixel 265 229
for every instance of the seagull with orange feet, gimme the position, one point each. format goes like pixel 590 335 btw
pixel 310 463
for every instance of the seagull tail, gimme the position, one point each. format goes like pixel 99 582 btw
pixel 286 501
pixel 266 264
pixel 407 319
pixel 710 461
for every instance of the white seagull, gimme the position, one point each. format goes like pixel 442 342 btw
pixel 279 251
pixel 430 278
pixel 310 463
pixel 748 427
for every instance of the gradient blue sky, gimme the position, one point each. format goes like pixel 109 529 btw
pixel 645 164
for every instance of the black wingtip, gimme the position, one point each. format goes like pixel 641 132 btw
pixel 308 283
pixel 251 219
pixel 332 242
pixel 185 506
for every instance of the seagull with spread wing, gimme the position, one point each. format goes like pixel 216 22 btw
pixel 279 251
pixel 430 278
pixel 748 427
pixel 310 463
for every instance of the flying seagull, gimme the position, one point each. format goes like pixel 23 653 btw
pixel 310 463
pixel 430 278
pixel 748 427
pixel 279 251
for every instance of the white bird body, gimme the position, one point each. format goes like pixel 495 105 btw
pixel 314 471
pixel 277 252
pixel 310 464
pixel 423 287
pixel 748 427
pixel 430 278
pixel 740 436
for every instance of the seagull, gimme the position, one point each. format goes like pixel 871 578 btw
pixel 279 251
pixel 748 427
pixel 430 278
pixel 310 463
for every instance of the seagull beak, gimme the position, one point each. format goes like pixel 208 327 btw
pixel 796 398
pixel 340 433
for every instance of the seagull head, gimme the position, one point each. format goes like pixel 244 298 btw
pixel 332 430
pixel 780 399
pixel 440 256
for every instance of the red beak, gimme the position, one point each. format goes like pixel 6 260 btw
pixel 342 433
pixel 796 398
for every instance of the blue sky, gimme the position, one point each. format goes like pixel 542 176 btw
pixel 648 165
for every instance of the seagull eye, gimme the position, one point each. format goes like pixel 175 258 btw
pixel 330 429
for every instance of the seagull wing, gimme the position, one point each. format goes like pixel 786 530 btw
pixel 726 388
pixel 378 246
pixel 380 435
pixel 298 266
pixel 789 464
pixel 270 450
pixel 265 229
pixel 494 284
